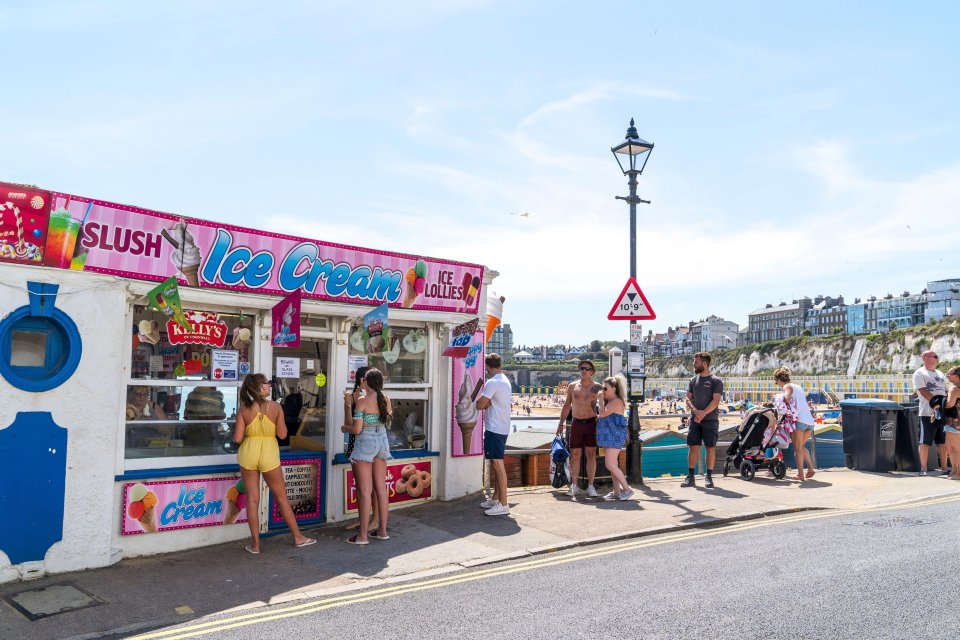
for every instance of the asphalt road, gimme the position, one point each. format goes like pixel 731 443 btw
pixel 893 573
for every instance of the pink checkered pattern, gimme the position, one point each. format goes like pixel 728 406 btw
pixel 152 268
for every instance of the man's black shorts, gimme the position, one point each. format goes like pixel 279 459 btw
pixel 931 433
pixel 703 433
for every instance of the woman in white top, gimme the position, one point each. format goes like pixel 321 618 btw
pixel 794 394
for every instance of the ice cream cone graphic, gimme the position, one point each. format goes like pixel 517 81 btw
pixel 190 273
pixel 466 412
pixel 494 315
pixel 142 507
pixel 414 283
pixel 149 520
pixel 185 255
pixel 236 502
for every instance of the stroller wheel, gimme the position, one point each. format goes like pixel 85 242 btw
pixel 747 470
pixel 726 468
pixel 779 469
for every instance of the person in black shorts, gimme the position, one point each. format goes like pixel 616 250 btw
pixel 581 403
pixel 703 399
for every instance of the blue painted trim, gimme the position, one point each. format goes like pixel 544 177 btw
pixel 46 317
pixel 397 455
pixel 142 474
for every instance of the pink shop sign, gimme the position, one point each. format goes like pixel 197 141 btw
pixel 149 507
pixel 150 245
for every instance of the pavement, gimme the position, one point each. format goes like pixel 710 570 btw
pixel 140 594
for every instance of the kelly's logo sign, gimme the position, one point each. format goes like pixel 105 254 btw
pixel 208 329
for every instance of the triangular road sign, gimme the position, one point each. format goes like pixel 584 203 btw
pixel 632 304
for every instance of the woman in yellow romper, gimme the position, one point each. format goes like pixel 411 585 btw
pixel 259 423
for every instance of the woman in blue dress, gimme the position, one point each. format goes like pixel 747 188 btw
pixel 612 433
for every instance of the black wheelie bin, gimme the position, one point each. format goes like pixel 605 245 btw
pixel 870 433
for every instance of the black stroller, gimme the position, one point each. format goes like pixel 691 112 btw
pixel 747 451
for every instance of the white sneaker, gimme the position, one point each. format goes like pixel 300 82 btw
pixel 489 502
pixel 591 491
pixel 498 510
pixel 574 490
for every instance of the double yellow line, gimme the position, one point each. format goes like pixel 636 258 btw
pixel 548 560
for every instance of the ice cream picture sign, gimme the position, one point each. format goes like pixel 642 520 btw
pixel 467 423
pixel 179 504
pixel 117 239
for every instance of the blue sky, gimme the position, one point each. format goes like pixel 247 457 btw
pixel 801 149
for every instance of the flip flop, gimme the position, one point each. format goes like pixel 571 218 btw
pixel 376 534
pixel 306 543
pixel 355 539
pixel 249 549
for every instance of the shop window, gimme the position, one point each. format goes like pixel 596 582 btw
pixel 402 361
pixel 181 420
pixel 184 385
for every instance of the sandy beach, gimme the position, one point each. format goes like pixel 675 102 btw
pixel 650 416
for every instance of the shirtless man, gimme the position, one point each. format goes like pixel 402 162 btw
pixel 582 399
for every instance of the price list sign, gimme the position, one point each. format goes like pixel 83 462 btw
pixel 302 478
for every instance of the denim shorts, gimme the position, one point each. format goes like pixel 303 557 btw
pixel 371 443
pixel 803 426
pixel 949 429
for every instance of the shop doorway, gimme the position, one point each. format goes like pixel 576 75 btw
pixel 304 397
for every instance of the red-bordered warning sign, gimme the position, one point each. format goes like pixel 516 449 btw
pixel 632 304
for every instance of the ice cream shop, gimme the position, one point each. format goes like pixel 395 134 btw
pixel 125 334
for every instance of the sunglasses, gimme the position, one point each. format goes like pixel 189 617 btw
pixel 586 368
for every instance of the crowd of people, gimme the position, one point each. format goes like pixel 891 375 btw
pixel 597 419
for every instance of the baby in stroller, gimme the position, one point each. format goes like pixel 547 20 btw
pixel 757 444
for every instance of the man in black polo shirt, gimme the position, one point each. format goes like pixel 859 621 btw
pixel 703 398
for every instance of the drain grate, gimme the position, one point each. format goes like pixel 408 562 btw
pixel 890 523
pixel 52 600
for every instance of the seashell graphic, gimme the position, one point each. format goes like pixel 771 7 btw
pixel 36 202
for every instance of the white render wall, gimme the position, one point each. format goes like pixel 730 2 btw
pixel 88 406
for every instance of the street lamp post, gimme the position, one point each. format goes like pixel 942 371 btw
pixel 635 151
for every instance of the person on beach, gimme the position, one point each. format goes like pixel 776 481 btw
pixel 371 450
pixel 929 383
pixel 952 415
pixel 581 404
pixel 703 398
pixel 259 423
pixel 494 401
pixel 795 397
pixel 612 433
pixel 350 399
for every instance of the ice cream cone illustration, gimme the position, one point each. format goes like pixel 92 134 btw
pixel 241 338
pixel 142 507
pixel 494 315
pixel 149 331
pixel 148 520
pixel 466 412
pixel 186 255
pixel 414 283
pixel 236 502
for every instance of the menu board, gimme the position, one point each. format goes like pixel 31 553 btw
pixel 302 477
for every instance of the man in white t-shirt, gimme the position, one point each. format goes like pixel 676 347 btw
pixel 494 401
pixel 929 382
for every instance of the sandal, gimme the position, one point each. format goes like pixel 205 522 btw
pixel 306 543
pixel 376 534
pixel 355 539
pixel 249 549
